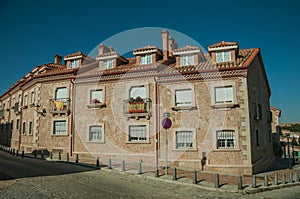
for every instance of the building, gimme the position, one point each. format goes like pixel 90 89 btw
pixel 111 107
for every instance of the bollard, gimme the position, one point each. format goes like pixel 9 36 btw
pixel 59 155
pixel 109 164
pixel 266 180
pixel 195 177
pixel 254 181
pixel 140 168
pixel 123 166
pixel 68 158
pixel 276 179
pixel 77 158
pixel 97 162
pixel 51 156
pixel 10 151
pixel 217 180
pixel 240 182
pixel 13 152
pixel 34 154
pixel 17 154
pixel 283 179
pixel 291 178
pixel 174 174
pixel 156 171
pixel 22 154
pixel 42 154
pixel 297 176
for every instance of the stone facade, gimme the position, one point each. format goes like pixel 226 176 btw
pixel 218 104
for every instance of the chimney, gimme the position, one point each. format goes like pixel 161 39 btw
pixel 165 43
pixel 172 46
pixel 58 59
pixel 104 49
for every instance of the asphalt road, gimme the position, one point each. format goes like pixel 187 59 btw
pixel 41 179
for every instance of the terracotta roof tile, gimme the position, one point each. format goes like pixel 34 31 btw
pixel 187 48
pixel 75 55
pixel 145 48
pixel 223 44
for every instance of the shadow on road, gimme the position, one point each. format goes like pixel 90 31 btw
pixel 12 167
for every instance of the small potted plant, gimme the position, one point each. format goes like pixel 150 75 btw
pixel 95 101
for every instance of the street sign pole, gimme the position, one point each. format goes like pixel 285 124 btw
pixel 166 168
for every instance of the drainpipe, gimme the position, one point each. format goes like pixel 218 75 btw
pixel 72 117
pixel 156 121
pixel 9 105
pixel 20 121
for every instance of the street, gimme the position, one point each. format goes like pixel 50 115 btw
pixel 33 178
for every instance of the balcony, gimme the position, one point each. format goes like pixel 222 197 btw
pixel 2 113
pixel 17 108
pixel 60 106
pixel 137 108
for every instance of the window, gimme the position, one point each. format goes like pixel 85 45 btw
pixel 26 100
pixel 95 133
pixel 257 137
pixel 96 96
pixel 24 128
pixel 138 91
pixel 107 64
pixel 184 139
pixel 61 93
pixel 59 127
pixel 224 94
pixel 223 56
pixel 146 59
pixel 187 60
pixel 32 97
pixel 225 139
pixel 30 128
pixel 20 99
pixel 18 124
pixel 74 63
pixel 183 97
pixel 137 133
pixel 257 111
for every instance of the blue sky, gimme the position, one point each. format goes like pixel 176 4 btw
pixel 32 32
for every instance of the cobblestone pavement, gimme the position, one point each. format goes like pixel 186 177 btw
pixel 113 184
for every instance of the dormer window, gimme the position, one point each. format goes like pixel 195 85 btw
pixel 187 60
pixel 107 64
pixel 74 63
pixel 224 56
pixel 146 59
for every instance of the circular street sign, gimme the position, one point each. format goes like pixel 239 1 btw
pixel 166 123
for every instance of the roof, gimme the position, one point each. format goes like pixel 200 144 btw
pixel 223 44
pixel 75 55
pixel 187 48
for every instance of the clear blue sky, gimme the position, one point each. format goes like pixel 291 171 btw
pixel 32 32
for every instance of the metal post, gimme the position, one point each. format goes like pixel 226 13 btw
pixel 217 180
pixel 77 158
pixel 195 177
pixel 68 158
pixel 97 162
pixel 156 171
pixel 140 168
pixel 13 152
pixel 51 155
pixel 59 155
pixel 240 182
pixel 22 154
pixel 17 154
pixel 291 178
pixel 166 167
pixel 266 180
pixel 109 164
pixel 276 179
pixel 42 155
pixel 283 179
pixel 34 153
pixel 174 174
pixel 254 181
pixel 123 166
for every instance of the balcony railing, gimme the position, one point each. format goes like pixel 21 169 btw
pixel 17 108
pixel 1 113
pixel 137 108
pixel 60 106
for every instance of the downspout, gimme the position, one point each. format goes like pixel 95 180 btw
pixel 72 117
pixel 20 121
pixel 156 124
pixel 9 105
